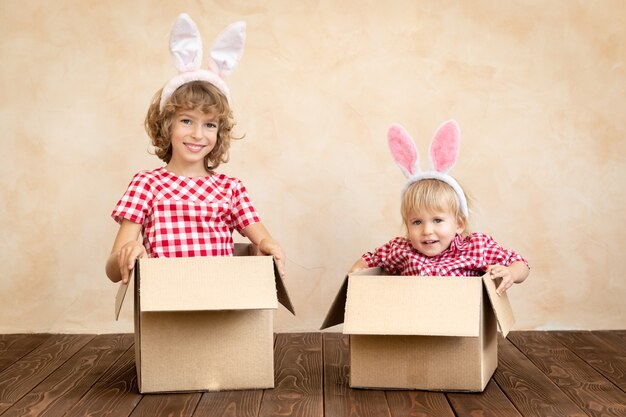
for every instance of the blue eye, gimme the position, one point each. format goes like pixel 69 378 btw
pixel 185 121
pixel 211 125
pixel 417 222
pixel 438 220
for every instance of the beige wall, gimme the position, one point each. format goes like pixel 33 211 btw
pixel 539 89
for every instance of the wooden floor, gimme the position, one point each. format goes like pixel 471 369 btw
pixel 574 374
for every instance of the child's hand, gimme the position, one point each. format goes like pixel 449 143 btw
pixel 359 265
pixel 126 258
pixel 271 247
pixel 504 273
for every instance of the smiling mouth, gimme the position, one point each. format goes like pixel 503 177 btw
pixel 194 147
pixel 430 242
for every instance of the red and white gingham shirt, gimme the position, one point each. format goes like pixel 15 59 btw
pixel 186 216
pixel 469 256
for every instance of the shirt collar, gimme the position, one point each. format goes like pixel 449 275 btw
pixel 458 244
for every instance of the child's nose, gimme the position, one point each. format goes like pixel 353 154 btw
pixel 197 131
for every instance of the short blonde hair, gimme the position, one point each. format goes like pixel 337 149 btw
pixel 432 195
pixel 195 95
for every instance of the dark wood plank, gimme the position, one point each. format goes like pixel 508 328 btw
pixel 616 338
pixel 492 402
pixel 617 334
pixel 418 404
pixel 15 346
pixel 574 374
pixel 18 379
pixel 65 386
pixel 171 405
pixel 298 370
pixel 339 399
pixel 602 355
pixel 115 394
pixel 8 338
pixel 587 388
pixel 529 389
pixel 230 404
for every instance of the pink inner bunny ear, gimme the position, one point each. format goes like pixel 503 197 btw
pixel 402 149
pixel 444 149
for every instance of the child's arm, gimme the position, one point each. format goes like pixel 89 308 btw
pixel 358 265
pixel 126 249
pixel 259 236
pixel 380 257
pixel 513 274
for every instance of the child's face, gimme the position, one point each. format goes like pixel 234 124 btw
pixel 194 135
pixel 432 232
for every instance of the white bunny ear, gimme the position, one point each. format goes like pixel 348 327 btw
pixel 228 49
pixel 186 44
pixel 403 149
pixel 444 148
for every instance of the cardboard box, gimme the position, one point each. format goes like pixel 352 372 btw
pixel 205 323
pixel 427 333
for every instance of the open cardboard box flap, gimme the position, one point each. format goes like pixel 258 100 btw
pixel 375 304
pixel 336 313
pixel 121 295
pixel 501 306
pixel 237 283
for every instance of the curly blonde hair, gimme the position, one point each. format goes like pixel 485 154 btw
pixel 195 95
pixel 433 195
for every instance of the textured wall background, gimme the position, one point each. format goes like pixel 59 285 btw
pixel 539 89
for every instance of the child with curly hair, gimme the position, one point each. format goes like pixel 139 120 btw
pixel 186 208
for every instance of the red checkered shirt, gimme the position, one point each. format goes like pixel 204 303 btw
pixel 186 216
pixel 466 256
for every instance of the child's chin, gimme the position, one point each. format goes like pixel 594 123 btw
pixel 429 251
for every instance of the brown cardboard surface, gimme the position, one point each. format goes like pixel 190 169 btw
pixel 241 252
pixel 137 323
pixel 244 249
pixel 281 292
pixel 401 305
pixel 501 306
pixel 415 362
pixel 488 340
pixel 180 353
pixel 235 283
pixel 205 324
pixel 432 333
pixel 121 295
pixel 337 311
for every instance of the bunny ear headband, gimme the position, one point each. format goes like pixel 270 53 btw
pixel 444 151
pixel 186 49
